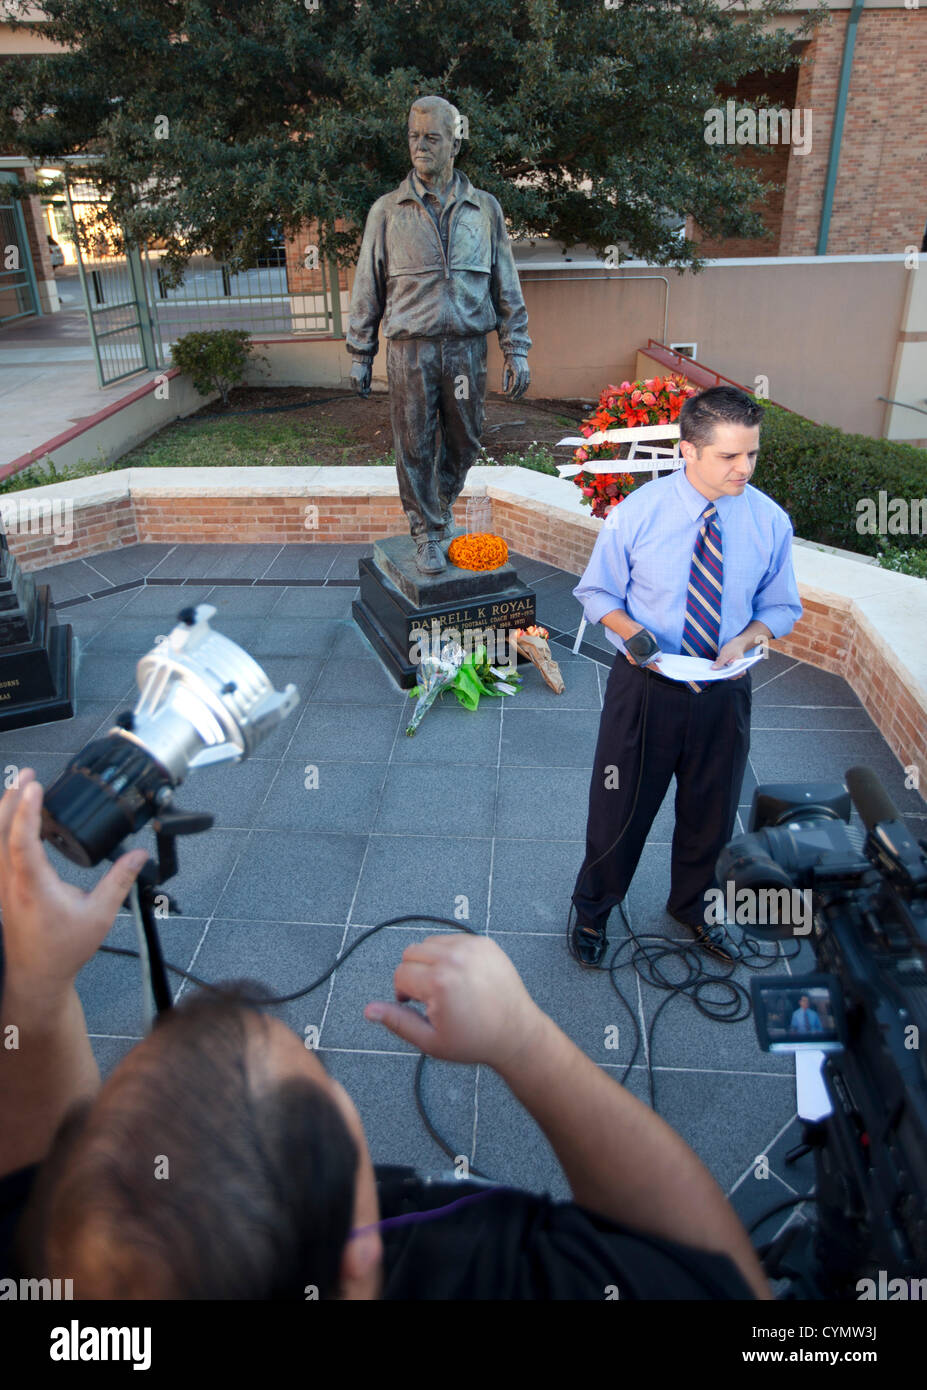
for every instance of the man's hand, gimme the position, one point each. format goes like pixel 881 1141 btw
pixel 50 928
pixel 651 665
pixel 361 376
pixel 735 649
pixel 516 376
pixel 478 1008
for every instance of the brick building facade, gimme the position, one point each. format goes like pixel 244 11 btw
pixel 880 197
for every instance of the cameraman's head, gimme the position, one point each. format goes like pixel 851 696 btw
pixel 219 1161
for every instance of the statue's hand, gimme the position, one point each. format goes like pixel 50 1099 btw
pixel 361 374
pixel 516 378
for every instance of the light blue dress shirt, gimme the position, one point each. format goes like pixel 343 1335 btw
pixel 643 556
pixel 806 1021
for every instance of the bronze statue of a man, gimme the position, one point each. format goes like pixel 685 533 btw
pixel 436 267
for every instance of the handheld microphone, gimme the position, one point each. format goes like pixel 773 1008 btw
pixel 642 647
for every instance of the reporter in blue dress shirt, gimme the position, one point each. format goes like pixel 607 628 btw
pixel 805 1019
pixel 702 562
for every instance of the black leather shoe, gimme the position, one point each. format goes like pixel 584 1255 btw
pixel 429 559
pixel 711 941
pixel 587 943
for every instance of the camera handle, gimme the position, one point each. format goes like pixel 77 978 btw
pixel 167 826
pixel 813 1136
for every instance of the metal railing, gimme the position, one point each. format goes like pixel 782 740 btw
pixel 278 297
pixel 117 313
pixel 136 313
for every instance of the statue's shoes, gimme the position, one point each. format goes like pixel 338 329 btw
pixel 429 559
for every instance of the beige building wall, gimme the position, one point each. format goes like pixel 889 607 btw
pixel 15 40
pixel 825 332
pixel 908 382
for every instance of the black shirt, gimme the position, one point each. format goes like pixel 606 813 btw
pixel 498 1243
pixel 507 1244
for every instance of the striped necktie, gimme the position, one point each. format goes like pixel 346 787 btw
pixel 702 631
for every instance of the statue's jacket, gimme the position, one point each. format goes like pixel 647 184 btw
pixel 404 280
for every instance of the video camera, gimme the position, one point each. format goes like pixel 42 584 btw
pixel 865 1008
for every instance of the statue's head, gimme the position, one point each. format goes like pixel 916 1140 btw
pixel 434 139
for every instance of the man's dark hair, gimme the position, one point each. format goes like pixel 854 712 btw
pixel 257 1196
pixel 719 405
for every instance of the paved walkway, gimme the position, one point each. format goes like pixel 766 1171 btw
pixel 48 381
pixel 489 805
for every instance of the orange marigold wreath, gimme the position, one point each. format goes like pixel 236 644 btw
pixel 478 552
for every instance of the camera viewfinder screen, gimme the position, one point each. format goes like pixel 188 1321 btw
pixel 802 1017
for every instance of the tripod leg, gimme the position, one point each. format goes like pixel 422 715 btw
pixel 158 975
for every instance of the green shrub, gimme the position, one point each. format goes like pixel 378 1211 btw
pixel 905 561
pixel 819 475
pixel 215 360
pixel 537 457
pixel 33 476
pixel 41 475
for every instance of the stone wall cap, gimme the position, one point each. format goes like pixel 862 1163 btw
pixel 894 606
pixel 81 492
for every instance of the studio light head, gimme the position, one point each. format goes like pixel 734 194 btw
pixel 203 700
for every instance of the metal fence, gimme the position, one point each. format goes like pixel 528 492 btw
pixel 114 295
pixel 136 314
pixel 18 289
pixel 266 300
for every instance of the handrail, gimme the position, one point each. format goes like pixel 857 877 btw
pixel 654 347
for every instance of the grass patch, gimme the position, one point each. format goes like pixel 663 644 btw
pixel 218 443
pixel 262 441
pixel 41 475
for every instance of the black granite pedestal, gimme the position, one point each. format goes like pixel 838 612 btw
pixel 400 611
pixel 36 672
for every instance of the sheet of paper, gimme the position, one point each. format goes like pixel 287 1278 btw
pixel 698 668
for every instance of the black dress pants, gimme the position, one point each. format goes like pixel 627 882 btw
pixel 703 738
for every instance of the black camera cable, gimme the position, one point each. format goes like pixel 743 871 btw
pixel 733 1007
pixel 268 1001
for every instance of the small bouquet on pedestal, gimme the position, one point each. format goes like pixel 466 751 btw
pixel 532 642
pixel 468 676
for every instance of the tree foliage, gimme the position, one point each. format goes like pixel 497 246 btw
pixel 217 119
